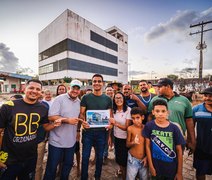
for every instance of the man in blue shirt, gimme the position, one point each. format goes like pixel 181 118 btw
pixel 202 115
pixel 131 99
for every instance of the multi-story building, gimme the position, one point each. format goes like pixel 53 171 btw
pixel 73 47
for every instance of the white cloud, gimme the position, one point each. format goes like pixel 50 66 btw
pixel 179 23
pixel 176 31
pixel 8 61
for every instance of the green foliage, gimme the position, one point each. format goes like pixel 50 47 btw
pixel 172 77
pixel 67 79
pixel 136 89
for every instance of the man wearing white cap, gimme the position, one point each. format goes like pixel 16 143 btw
pixel 62 139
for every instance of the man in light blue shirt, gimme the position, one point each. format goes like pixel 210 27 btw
pixel 62 139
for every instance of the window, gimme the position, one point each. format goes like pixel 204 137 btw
pixel 77 47
pixel 77 65
pixel 103 41
pixel 46 69
pixel 13 86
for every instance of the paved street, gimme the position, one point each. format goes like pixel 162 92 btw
pixel 108 170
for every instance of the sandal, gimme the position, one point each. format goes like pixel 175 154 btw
pixel 118 173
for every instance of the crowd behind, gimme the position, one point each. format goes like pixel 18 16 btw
pixel 149 131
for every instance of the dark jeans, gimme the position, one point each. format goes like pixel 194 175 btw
pixel 23 170
pixel 54 157
pixel 105 154
pixel 96 138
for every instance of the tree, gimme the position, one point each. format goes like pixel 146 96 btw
pixel 172 77
pixel 67 79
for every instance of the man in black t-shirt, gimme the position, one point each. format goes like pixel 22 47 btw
pixel 20 119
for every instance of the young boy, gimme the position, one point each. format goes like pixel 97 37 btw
pixel 135 141
pixel 163 144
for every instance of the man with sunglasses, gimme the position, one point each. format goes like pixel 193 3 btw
pixel 94 136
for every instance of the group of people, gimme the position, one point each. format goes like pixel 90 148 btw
pixel 149 131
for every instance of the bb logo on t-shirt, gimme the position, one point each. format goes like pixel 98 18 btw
pixel 26 127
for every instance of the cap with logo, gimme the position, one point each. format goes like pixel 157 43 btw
pixel 76 82
pixel 207 91
pixel 164 82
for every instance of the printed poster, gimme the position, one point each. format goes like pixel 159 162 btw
pixel 98 118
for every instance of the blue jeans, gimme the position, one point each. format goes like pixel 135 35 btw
pixel 96 138
pixel 23 170
pixel 134 166
pixel 105 155
pixel 54 157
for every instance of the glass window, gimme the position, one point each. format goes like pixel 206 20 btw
pixel 77 47
pixel 103 41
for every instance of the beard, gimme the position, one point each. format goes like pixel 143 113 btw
pixel 144 90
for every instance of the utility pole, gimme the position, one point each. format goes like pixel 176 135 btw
pixel 201 44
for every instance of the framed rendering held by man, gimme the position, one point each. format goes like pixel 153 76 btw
pixel 98 118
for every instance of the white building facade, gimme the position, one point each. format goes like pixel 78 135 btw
pixel 73 47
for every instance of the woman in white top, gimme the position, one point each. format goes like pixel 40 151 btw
pixel 121 121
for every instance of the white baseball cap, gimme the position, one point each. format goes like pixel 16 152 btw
pixel 76 82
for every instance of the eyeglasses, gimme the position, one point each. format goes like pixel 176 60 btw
pixel 97 81
pixel 118 98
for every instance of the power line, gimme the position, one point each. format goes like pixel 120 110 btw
pixel 202 45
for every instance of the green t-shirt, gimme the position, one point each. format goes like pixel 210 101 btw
pixel 92 102
pixel 179 109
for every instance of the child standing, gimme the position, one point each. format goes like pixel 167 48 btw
pixel 163 144
pixel 137 161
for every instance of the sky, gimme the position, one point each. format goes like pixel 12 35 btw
pixel 159 43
